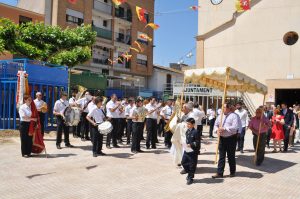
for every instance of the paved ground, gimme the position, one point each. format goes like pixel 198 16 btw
pixel 74 173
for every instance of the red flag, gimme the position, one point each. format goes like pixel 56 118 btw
pixel 72 1
pixel 118 2
pixel 242 5
pixel 141 14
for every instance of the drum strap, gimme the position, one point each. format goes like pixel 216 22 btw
pixel 86 105
pixel 103 112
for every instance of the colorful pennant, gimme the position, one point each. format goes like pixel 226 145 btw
pixel 127 56
pixel 141 14
pixel 134 49
pixel 195 8
pixel 118 2
pixel 242 5
pixel 152 25
pixel 145 36
pixel 139 46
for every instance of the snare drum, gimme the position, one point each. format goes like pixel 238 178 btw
pixel 105 128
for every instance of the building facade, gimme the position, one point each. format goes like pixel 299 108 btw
pixel 18 16
pixel 117 28
pixel 261 43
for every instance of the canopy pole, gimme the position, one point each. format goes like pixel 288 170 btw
pixel 222 113
pixel 182 93
pixel 259 130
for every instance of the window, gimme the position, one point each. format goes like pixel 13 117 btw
pixel 23 19
pixel 142 59
pixel 74 16
pixel 74 20
pixel 290 38
pixel 105 1
pixel 105 72
pixel 104 23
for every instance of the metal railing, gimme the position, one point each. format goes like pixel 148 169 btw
pixel 101 61
pixel 248 103
pixel 103 33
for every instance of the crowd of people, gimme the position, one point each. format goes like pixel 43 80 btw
pixel 131 117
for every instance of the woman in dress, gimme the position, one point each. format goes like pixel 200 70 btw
pixel 277 129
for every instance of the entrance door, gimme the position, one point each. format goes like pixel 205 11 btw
pixel 289 96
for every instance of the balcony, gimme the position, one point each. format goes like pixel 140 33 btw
pixel 101 61
pixel 102 7
pixel 120 37
pixel 103 33
pixel 120 13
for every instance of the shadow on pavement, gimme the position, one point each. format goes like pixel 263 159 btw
pixel 209 180
pixel 247 174
pixel 270 165
pixel 58 155
pixel 91 167
pixel 121 155
pixel 37 175
pixel 206 162
pixel 200 170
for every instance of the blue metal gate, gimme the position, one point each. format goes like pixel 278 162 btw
pixel 48 79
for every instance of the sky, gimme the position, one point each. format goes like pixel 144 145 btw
pixel 176 36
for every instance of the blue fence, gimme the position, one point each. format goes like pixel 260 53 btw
pixel 48 79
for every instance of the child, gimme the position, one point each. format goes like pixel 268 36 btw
pixel 96 116
pixel 192 148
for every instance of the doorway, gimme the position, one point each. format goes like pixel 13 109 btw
pixel 289 96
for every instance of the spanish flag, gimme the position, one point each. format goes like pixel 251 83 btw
pixel 242 5
pixel 118 2
pixel 152 25
pixel 141 14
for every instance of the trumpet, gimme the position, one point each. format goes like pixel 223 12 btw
pixel 44 108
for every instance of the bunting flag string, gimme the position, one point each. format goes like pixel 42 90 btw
pixel 242 5
pixel 153 26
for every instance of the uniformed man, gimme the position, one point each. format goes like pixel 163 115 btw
pixel 58 110
pixel 151 123
pixel 39 103
pixel 166 113
pixel 75 129
pixel 112 113
pixel 128 114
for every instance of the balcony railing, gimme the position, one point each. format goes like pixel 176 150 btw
pixel 106 34
pixel 102 7
pixel 101 61
pixel 120 37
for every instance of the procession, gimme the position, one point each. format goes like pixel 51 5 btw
pixel 149 99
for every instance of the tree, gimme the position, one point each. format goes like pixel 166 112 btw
pixel 51 44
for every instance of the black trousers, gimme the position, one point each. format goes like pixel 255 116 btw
pixel 113 135
pixel 84 126
pixel 151 126
pixel 286 138
pixel 261 147
pixel 97 139
pixel 129 130
pixel 60 128
pixel 241 139
pixel 189 162
pixel 211 126
pixel 268 136
pixel 137 130
pixel 200 129
pixel 42 120
pixel 26 140
pixel 227 145
pixel 76 130
pixel 121 128
pixel 160 129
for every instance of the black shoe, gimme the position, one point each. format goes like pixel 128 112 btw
pixel 108 146
pixel 217 175
pixel 134 152
pixel 128 143
pixel 120 142
pixel 242 151
pixel 147 147
pixel 153 147
pixel 182 172
pixel 58 146
pixel 116 146
pixel 101 153
pixel 140 151
pixel 69 146
pixel 94 154
pixel 26 156
pixel 87 138
pixel 238 149
pixel 232 175
pixel 189 181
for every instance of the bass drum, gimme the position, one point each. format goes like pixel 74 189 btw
pixel 72 116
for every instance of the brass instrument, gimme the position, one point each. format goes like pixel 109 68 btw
pixel 176 112
pixel 44 108
pixel 142 113
pixel 81 90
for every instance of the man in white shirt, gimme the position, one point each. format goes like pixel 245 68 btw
pixel 58 110
pixel 75 129
pixel 166 113
pixel 198 115
pixel 96 116
pixel 39 103
pixel 151 123
pixel 128 113
pixel 112 112
pixel 211 114
pixel 122 121
pixel 243 114
pixel 83 104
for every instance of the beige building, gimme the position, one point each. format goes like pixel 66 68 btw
pixel 261 43
pixel 117 28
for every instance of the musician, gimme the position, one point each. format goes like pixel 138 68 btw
pixel 166 113
pixel 75 129
pixel 138 114
pixel 39 103
pixel 211 115
pixel 128 113
pixel 192 148
pixel 122 121
pixel 228 138
pixel 96 116
pixel 83 104
pixel 25 118
pixel 198 115
pixel 113 114
pixel 151 123
pixel 58 110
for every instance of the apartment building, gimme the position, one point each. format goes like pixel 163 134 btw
pixel 117 28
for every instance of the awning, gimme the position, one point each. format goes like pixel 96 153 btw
pixel 215 78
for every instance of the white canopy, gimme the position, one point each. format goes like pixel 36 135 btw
pixel 215 78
